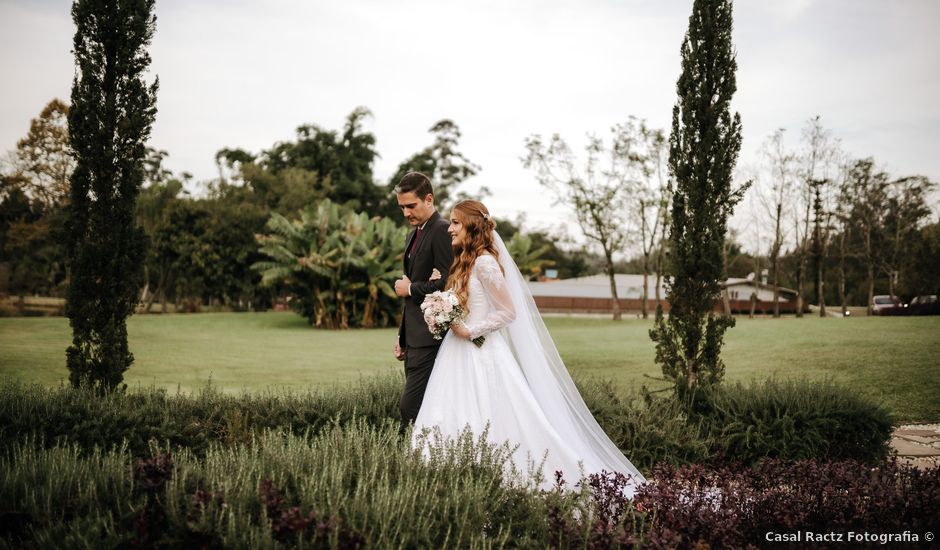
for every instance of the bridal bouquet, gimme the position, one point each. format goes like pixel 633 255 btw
pixel 442 309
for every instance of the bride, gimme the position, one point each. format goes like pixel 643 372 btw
pixel 514 387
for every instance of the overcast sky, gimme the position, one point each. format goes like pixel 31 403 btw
pixel 240 73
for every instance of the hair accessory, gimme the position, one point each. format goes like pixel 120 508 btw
pixel 485 215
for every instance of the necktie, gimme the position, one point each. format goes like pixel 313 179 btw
pixel 414 243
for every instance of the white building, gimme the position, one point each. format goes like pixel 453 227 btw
pixel 592 294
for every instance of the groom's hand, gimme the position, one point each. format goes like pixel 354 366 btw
pixel 399 353
pixel 402 285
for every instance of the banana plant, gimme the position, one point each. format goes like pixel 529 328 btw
pixel 381 264
pixel 530 261
pixel 338 265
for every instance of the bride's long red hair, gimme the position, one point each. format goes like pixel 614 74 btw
pixel 479 225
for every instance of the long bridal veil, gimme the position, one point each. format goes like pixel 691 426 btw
pixel 549 380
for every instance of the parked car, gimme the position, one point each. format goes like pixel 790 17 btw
pixel 924 305
pixel 884 304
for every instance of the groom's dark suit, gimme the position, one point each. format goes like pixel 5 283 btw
pixel 429 250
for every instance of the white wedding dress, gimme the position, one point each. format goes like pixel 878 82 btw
pixel 514 387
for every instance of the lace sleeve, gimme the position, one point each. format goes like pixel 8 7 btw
pixel 502 312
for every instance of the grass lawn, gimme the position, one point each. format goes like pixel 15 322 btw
pixel 896 360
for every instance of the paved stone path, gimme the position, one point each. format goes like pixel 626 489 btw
pixel 917 444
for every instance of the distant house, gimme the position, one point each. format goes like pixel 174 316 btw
pixel 740 291
pixel 592 295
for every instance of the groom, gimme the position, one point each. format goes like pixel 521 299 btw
pixel 427 248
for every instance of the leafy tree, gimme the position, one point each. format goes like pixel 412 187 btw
pixel 905 211
pixel 287 191
pixel 921 263
pixel 32 246
pixel 777 197
pixel 822 225
pixel 109 122
pixel 230 161
pixel 30 242
pixel 841 254
pixel 15 207
pixel 161 190
pixel 703 149
pixel 203 252
pixel 44 157
pixel 864 194
pixel 178 252
pixel 816 163
pixel 652 204
pixel 342 163
pixel 443 163
pixel 600 197
pixel 33 194
pixel 319 164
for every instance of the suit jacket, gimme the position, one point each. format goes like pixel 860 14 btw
pixel 433 250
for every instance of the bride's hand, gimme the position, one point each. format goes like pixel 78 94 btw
pixel 460 330
pixel 435 275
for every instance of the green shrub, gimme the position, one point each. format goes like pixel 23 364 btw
pixel 362 485
pixel 327 468
pixel 787 420
pixel 363 482
pixel 647 429
pixel 69 415
pixel 795 420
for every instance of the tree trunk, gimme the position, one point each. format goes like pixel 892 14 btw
pixel 842 302
pixel 757 282
pixel 659 281
pixel 801 267
pixel 608 255
pixel 342 314
pixel 895 272
pixel 659 260
pixel 644 306
pixel 776 281
pixel 870 270
pixel 146 297
pixel 775 264
pixel 821 287
pixel 161 283
pixel 725 297
pixel 367 312
pixel 693 372
pixel 800 276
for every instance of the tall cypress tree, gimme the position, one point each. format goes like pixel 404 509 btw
pixel 109 122
pixel 703 149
